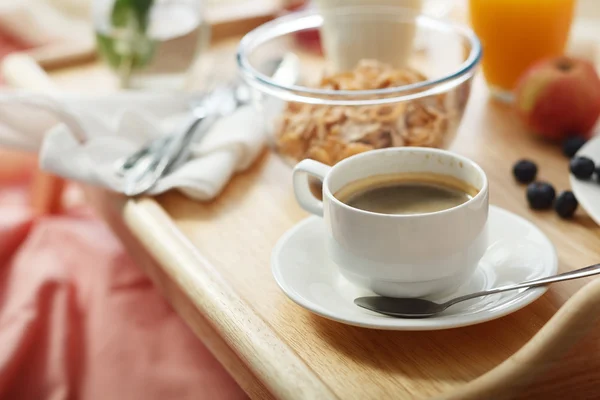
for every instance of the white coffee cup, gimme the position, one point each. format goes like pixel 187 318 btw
pixel 412 255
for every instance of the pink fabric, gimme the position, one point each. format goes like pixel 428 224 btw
pixel 78 320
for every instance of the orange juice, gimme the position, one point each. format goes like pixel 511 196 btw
pixel 516 34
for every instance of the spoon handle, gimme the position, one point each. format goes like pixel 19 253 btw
pixel 565 276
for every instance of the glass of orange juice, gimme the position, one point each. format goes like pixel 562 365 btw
pixel 517 33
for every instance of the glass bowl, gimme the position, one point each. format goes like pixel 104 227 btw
pixel 377 77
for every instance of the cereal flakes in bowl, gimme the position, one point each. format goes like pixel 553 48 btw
pixel 331 114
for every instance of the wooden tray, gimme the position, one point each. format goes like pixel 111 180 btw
pixel 212 262
pixel 218 254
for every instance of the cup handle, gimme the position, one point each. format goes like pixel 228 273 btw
pixel 304 196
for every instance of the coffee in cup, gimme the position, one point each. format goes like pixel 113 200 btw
pixel 406 193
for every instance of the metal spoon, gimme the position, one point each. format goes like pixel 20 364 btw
pixel 421 308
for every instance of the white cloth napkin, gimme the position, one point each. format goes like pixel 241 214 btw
pixel 81 138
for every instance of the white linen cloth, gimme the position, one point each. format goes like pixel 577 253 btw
pixel 81 138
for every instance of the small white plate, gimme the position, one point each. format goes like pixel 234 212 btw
pixel 588 192
pixel 518 251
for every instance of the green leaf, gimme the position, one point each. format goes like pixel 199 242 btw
pixel 112 51
pixel 127 47
pixel 127 12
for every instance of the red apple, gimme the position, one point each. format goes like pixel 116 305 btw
pixel 559 97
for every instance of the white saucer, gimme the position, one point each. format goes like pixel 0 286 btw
pixel 518 251
pixel 588 192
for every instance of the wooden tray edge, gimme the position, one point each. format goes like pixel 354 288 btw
pixel 570 323
pixel 239 325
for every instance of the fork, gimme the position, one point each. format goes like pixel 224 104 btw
pixel 164 154
pixel 123 165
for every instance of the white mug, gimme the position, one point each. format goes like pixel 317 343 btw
pixel 411 255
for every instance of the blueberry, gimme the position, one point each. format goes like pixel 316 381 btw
pixel 540 195
pixel 582 167
pixel 572 145
pixel 566 204
pixel 525 171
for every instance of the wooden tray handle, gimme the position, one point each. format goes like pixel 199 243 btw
pixel 572 321
pixel 22 71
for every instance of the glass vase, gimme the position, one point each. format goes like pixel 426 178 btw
pixel 150 44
